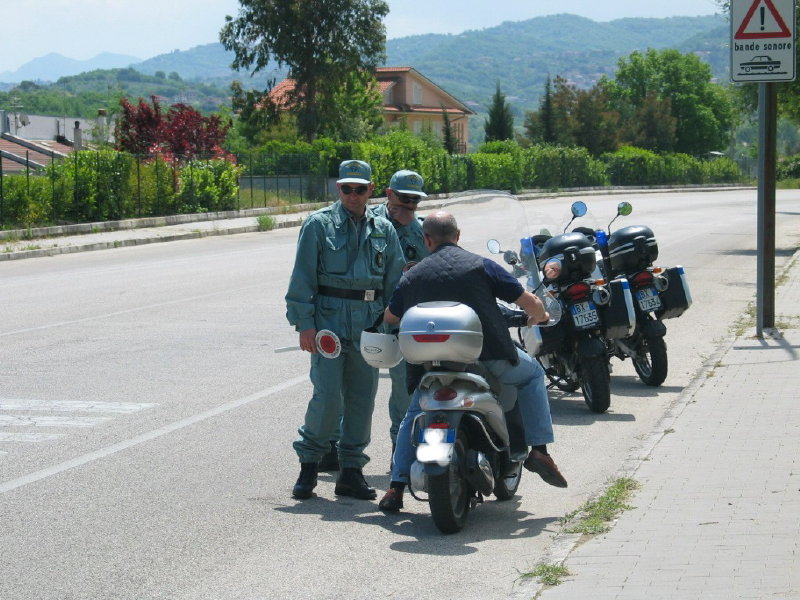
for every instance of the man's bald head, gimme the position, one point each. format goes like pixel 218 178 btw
pixel 441 228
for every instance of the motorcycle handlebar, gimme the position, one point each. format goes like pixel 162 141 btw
pixel 514 318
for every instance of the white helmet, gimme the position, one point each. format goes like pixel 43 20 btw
pixel 380 350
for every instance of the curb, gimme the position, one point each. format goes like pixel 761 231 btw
pixel 188 235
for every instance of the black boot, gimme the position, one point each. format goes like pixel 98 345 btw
pixel 330 462
pixel 351 482
pixel 304 488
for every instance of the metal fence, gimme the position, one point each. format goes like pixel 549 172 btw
pixel 91 186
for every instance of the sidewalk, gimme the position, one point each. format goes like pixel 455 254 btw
pixel 718 511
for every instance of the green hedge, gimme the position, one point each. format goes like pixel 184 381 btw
pixel 107 185
pixel 91 186
pixel 634 166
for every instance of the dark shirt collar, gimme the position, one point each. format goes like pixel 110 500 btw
pixel 444 245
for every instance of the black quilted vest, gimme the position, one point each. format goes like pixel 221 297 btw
pixel 452 273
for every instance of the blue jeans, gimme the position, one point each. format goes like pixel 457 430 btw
pixel 527 376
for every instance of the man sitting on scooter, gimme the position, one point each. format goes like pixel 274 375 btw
pixel 452 273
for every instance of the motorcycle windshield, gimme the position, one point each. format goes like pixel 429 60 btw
pixel 496 225
pixel 486 215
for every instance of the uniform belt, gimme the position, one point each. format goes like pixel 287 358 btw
pixel 366 295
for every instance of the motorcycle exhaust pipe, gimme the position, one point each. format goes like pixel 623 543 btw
pixel 479 472
pixel 660 282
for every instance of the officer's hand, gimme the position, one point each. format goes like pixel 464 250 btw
pixel 308 341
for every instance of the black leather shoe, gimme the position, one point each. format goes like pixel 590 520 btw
pixel 304 488
pixel 330 462
pixel 351 482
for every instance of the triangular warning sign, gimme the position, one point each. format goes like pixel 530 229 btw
pixel 758 27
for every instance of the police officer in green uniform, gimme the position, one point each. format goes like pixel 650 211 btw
pixel 402 198
pixel 347 264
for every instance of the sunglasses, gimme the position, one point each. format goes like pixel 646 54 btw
pixel 348 189
pixel 408 199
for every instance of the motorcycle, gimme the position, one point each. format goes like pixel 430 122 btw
pixel 573 353
pixel 469 436
pixel 659 294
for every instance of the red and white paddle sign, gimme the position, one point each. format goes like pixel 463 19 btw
pixel 762 40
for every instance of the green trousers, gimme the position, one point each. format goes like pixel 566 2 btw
pixel 344 390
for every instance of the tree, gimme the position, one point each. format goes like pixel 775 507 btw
pixel 564 101
pixel 323 42
pixel 653 127
pixel 355 110
pixel 449 140
pixel 182 131
pixel 596 124
pixel 500 123
pixel 539 125
pixel 702 111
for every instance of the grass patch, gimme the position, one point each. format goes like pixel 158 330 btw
pixel 595 516
pixel 746 321
pixel 547 574
pixel 262 199
pixel 787 184
pixel 266 222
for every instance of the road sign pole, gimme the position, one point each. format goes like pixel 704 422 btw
pixel 765 270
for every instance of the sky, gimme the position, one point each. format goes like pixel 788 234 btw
pixel 82 29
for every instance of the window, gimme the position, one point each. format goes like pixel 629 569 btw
pixel 417 93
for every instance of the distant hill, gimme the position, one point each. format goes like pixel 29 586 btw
pixel 519 55
pixel 53 66
pixel 209 63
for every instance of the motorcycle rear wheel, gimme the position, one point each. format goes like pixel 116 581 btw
pixel 651 363
pixel 595 383
pixel 449 493
pixel 505 488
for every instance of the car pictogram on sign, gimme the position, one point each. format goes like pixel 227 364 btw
pixel 760 63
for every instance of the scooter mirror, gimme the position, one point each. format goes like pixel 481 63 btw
pixel 493 246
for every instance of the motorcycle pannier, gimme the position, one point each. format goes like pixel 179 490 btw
pixel 440 331
pixel 632 249
pixel 677 297
pixel 619 316
pixel 575 252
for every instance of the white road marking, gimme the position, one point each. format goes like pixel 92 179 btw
pixel 73 405
pixel 49 421
pixel 146 437
pixel 28 437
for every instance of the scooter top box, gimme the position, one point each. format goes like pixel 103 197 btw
pixel 632 248
pixel 440 331
pixel 575 252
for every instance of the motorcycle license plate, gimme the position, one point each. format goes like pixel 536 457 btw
pixel 584 314
pixel 648 299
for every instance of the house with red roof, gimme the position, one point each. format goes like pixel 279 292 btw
pixel 411 98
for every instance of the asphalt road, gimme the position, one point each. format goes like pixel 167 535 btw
pixel 146 423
